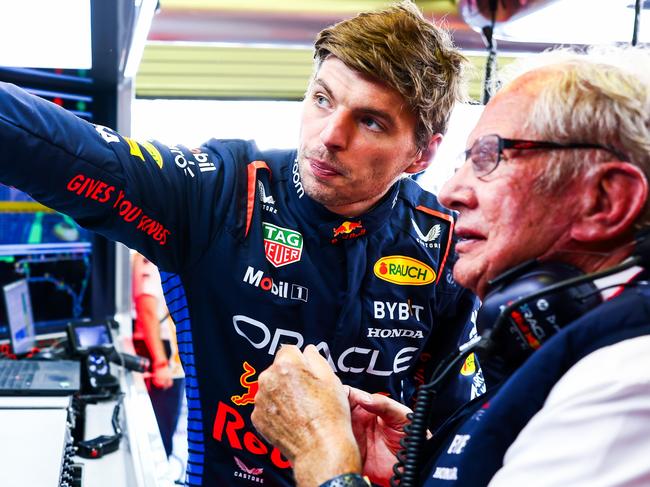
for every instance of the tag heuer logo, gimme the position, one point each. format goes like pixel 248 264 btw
pixel 282 246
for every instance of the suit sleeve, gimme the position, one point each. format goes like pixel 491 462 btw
pixel 167 202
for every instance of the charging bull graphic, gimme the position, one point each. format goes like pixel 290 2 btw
pixel 250 385
pixel 346 227
pixel 347 230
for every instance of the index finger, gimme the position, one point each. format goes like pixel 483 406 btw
pixel 317 362
pixel 289 353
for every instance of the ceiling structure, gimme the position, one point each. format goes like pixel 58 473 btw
pixel 262 48
pixel 290 22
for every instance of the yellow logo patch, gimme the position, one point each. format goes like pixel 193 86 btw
pixel 469 367
pixel 404 271
pixel 153 152
pixel 134 148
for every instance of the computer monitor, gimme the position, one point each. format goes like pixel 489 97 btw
pixel 85 336
pixel 52 253
pixel 19 314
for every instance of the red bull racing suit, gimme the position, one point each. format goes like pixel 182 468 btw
pixel 248 262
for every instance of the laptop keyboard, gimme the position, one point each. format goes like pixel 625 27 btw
pixel 16 374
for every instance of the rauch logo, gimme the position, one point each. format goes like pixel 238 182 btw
pixel 404 271
pixel 282 246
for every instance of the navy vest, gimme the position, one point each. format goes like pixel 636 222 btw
pixel 468 450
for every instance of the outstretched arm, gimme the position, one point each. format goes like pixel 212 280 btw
pixel 139 193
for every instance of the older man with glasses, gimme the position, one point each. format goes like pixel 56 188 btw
pixel 555 177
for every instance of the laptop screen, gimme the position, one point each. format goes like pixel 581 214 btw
pixel 19 314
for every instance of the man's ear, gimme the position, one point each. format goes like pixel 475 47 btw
pixel 424 157
pixel 614 198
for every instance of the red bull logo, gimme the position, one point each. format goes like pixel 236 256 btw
pixel 250 385
pixel 525 330
pixel 229 427
pixel 346 227
pixel 347 230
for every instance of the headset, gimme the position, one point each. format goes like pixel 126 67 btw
pixel 523 308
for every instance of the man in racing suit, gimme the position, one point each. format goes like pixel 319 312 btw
pixel 326 245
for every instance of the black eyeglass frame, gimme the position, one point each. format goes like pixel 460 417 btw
pixel 522 144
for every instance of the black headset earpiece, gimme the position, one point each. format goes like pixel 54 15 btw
pixel 528 304
pixel 642 247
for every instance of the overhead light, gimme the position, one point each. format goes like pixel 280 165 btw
pixel 578 22
pixel 145 10
pixel 45 34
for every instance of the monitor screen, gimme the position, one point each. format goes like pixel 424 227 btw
pixel 44 247
pixel 91 336
pixel 58 34
pixel 59 286
pixel 27 227
pixel 52 254
pixel 19 313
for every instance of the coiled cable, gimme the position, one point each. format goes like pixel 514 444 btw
pixel 407 469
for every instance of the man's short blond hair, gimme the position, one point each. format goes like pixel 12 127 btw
pixel 410 54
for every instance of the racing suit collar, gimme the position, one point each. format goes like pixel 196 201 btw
pixel 331 227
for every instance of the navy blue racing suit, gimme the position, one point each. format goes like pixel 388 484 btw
pixel 250 262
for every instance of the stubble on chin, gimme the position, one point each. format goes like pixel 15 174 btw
pixel 318 193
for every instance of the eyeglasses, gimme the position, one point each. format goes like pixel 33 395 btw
pixel 487 151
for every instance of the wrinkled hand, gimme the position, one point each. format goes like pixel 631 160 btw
pixel 302 408
pixel 162 378
pixel 377 423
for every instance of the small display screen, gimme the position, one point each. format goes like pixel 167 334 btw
pixel 19 313
pixel 91 336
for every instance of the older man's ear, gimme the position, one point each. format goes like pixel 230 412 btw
pixel 612 201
